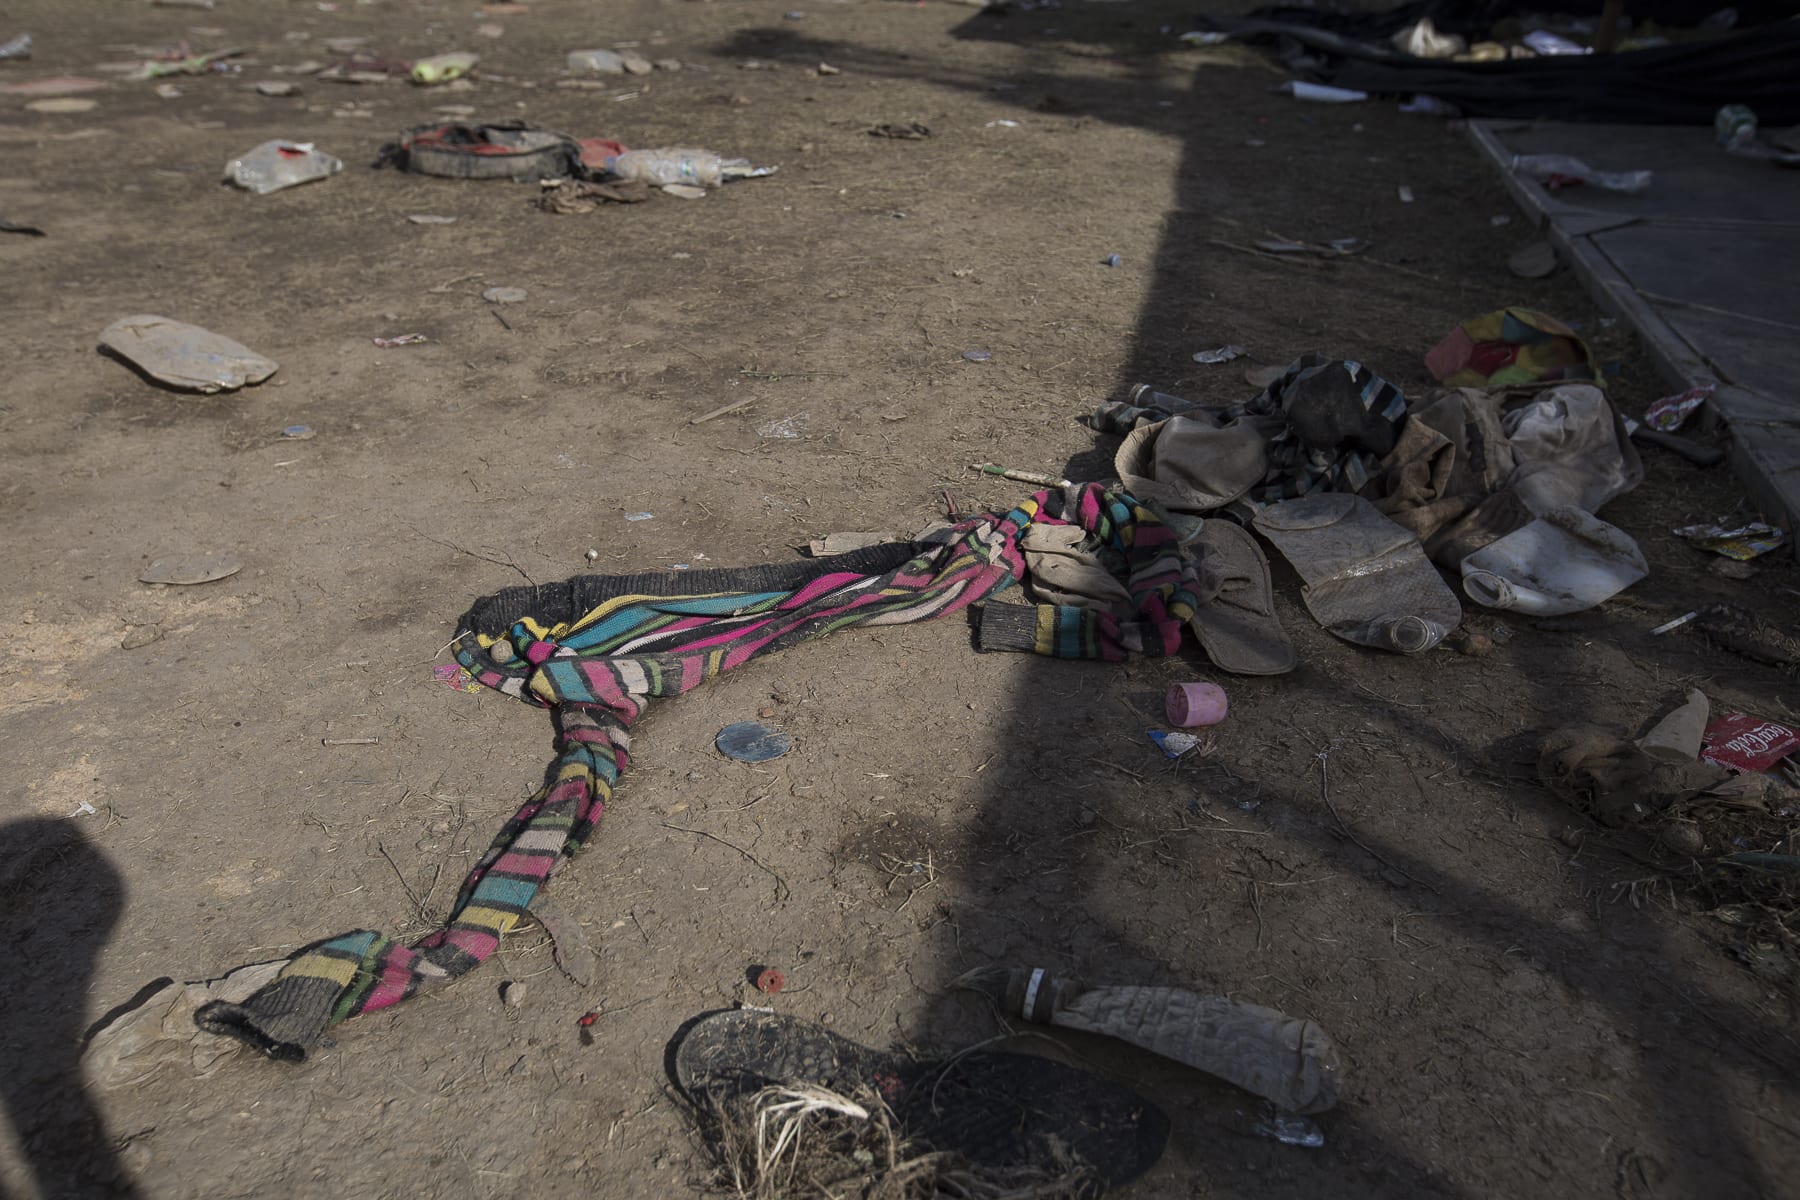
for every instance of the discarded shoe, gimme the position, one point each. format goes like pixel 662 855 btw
pixel 1000 1112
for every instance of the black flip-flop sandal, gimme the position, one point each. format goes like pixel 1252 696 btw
pixel 995 1109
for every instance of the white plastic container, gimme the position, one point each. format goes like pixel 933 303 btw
pixel 1565 561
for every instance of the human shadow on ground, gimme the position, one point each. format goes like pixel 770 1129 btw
pixel 59 900
pixel 1039 896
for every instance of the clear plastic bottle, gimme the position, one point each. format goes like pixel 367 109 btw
pixel 278 164
pixel 659 168
pixel 1543 166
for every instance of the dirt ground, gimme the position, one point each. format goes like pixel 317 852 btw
pixel 1517 1018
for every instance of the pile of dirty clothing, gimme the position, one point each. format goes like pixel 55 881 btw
pixel 1495 477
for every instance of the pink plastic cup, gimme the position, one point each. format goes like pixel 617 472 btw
pixel 1190 705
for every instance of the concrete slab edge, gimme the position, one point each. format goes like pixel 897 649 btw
pixel 1764 447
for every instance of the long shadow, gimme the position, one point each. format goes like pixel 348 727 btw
pixel 59 901
pixel 1040 901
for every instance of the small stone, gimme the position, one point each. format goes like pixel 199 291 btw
pixel 826 68
pixel 592 555
pixel 1467 641
pixel 636 66
pixel 1571 837
pixel 668 64
pixel 505 295
pixel 1683 838
pixel 438 827
pixel 141 636
pixel 1730 568
pixel 765 712
pixel 512 993
pixel 826 1018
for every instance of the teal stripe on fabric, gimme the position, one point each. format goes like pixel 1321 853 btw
pixel 634 619
pixel 516 893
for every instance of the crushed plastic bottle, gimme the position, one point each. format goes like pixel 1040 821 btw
pixel 1550 167
pixel 1291 1130
pixel 597 62
pixel 702 168
pixel 278 164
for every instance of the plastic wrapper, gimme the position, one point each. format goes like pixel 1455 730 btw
pixel 1741 542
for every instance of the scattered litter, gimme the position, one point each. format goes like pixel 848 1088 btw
pixel 183 355
pixel 826 68
pixel 1562 562
pixel 19 47
pixel 442 68
pixel 1291 1130
pixel 405 339
pixel 1033 477
pixel 187 569
pixel 1557 171
pixel 843 543
pixel 1406 194
pixel 63 104
pixel 1291 1062
pixel 1431 106
pixel 574 196
pixel 505 295
pixel 1552 45
pixel 684 191
pixel 785 427
pixel 298 433
pixel 197 64
pixel 515 150
pixel 1174 745
pixel 277 164
pixel 978 355
pixel 58 85
pixel 27 230
pixel 127 1047
pixel 1223 354
pixel 752 741
pixel 350 741
pixel 1671 412
pixel 596 62
pixel 1320 93
pixel 140 636
pixel 640 516
pixel 911 131
pixel 1191 705
pixel 1003 123
pixel 1366 578
pixel 429 219
pixel 1743 542
pixel 1534 260
pixel 276 87
pixel 1678 736
pixel 770 980
pixel 1740 743
pixel 694 168
pixel 1205 37
pixel 457 678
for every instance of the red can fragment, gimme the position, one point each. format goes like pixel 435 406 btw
pixel 770 980
pixel 587 1019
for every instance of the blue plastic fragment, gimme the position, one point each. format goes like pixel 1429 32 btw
pixel 978 355
pixel 1113 260
pixel 752 741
